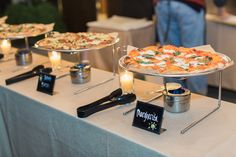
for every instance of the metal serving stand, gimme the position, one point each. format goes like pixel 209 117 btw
pixel 151 73
pixel 74 51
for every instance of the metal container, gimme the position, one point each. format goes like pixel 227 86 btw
pixel 23 57
pixel 177 102
pixel 80 73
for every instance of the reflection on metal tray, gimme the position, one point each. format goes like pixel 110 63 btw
pixel 77 51
pixel 152 73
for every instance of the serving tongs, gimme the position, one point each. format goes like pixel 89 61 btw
pixel 113 99
pixel 32 73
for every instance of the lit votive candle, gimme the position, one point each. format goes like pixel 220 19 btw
pixel 127 81
pixel 5 46
pixel 55 59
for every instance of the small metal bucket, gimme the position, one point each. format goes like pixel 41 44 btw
pixel 80 73
pixel 177 102
pixel 23 57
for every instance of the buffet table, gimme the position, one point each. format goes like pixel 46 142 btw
pixel 36 124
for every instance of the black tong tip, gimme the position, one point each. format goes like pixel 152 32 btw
pixel 46 70
pixel 126 98
pixel 115 93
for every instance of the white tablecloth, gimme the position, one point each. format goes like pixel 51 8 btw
pixel 36 124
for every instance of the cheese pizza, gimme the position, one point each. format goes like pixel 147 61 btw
pixel 24 30
pixel 76 41
pixel 175 60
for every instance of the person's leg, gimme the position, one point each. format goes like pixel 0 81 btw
pixel 192 34
pixel 192 28
pixel 168 25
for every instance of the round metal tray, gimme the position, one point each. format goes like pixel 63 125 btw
pixel 153 73
pixel 79 50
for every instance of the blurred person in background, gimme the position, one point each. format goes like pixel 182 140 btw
pixel 182 23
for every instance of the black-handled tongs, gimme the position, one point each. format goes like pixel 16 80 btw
pixel 113 99
pixel 32 73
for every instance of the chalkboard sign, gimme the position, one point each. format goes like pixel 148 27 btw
pixel 148 117
pixel 46 83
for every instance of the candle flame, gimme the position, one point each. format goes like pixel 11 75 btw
pixel 126 81
pixel 5 46
pixel 55 54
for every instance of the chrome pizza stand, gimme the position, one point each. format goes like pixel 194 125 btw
pixel 219 70
pixel 78 52
pixel 74 51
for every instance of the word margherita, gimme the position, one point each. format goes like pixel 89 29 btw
pixel 146 116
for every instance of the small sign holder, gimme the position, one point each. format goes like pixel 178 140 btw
pixel 46 83
pixel 149 117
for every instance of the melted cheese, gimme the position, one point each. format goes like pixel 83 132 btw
pixel 189 55
pixel 149 52
pixel 168 51
pixel 161 57
pixel 151 64
pixel 161 64
pixel 180 63
pixel 142 58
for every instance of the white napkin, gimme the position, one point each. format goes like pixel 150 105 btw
pixel 231 20
pixel 205 48
pixel 120 23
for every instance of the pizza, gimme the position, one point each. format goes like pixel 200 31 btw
pixel 24 30
pixel 170 59
pixel 3 20
pixel 76 41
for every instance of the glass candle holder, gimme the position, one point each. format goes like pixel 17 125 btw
pixel 55 59
pixel 5 47
pixel 126 81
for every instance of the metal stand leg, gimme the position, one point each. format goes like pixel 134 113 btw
pixel 114 60
pixel 26 43
pixel 214 110
pixel 78 55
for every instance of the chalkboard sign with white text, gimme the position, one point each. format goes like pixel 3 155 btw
pixel 148 117
pixel 46 83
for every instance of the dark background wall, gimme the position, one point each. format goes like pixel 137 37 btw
pixel 3 5
pixel 130 8
pixel 76 13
